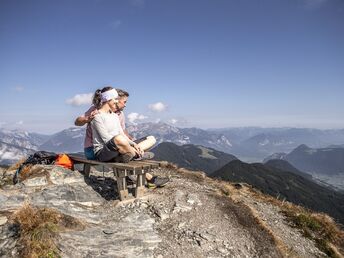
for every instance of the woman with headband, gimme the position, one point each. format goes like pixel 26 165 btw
pixel 109 141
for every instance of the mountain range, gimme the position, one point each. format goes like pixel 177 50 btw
pixel 323 160
pixel 325 165
pixel 249 144
pixel 254 144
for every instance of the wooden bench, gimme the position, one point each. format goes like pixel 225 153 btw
pixel 121 171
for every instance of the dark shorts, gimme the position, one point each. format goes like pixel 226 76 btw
pixel 89 153
pixel 108 152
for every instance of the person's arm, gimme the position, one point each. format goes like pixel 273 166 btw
pixel 82 120
pixel 87 117
pixel 128 135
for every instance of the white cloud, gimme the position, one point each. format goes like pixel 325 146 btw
pixel 137 3
pixel 20 122
pixel 157 107
pixel 312 4
pixel 173 121
pixel 115 25
pixel 80 99
pixel 18 88
pixel 135 116
pixel 158 120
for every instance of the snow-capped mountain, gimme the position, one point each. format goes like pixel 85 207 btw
pixel 180 136
pixel 275 156
pixel 22 138
pixel 68 140
pixel 10 153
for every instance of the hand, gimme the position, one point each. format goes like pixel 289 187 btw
pixel 91 116
pixel 138 150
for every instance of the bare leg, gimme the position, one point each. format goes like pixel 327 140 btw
pixel 123 145
pixel 145 145
pixel 148 143
pixel 149 176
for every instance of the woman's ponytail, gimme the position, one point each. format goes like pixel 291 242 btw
pixel 97 99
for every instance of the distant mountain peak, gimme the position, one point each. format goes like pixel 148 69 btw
pixel 302 147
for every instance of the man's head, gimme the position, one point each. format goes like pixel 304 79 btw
pixel 122 99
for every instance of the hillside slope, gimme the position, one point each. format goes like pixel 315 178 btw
pixel 191 156
pixel 285 166
pixel 285 185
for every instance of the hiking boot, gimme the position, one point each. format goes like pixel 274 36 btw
pixel 131 179
pixel 157 182
pixel 146 155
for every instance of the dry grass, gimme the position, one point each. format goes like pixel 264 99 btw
pixel 168 165
pixel 39 229
pixel 30 171
pixel 197 176
pixel 319 227
pixel 17 165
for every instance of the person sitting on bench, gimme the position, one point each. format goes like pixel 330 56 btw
pixel 109 140
pixel 88 116
pixel 142 144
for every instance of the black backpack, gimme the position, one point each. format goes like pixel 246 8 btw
pixel 39 157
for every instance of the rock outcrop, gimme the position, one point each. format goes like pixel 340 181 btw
pixel 193 216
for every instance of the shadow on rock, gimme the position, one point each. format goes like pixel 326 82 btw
pixel 105 186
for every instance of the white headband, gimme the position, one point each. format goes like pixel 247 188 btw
pixel 108 95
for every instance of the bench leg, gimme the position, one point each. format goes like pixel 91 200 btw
pixel 121 186
pixel 87 168
pixel 140 185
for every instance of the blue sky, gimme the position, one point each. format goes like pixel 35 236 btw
pixel 203 63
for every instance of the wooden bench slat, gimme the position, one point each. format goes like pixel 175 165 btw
pixel 129 165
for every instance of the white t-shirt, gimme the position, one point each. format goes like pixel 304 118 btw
pixel 104 127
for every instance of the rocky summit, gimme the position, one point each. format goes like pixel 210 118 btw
pixel 192 216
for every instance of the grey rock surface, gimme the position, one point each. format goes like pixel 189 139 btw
pixel 131 236
pixel 186 218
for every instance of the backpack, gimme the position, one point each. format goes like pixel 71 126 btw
pixel 39 157
pixel 64 161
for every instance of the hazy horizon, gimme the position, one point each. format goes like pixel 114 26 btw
pixel 51 132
